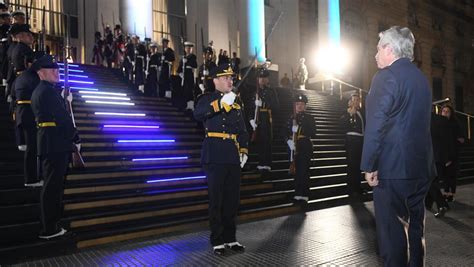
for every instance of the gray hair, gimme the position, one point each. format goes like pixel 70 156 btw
pixel 401 40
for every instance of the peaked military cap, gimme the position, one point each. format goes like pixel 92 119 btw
pixel 165 39
pixel 222 70
pixel 301 98
pixel 18 12
pixel 153 44
pixel 46 62
pixel 208 50
pixel 18 28
pixel 4 13
pixel 188 44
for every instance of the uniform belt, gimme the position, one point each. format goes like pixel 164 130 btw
pixel 23 102
pixel 265 110
pixel 222 135
pixel 189 67
pixel 300 136
pixel 47 124
pixel 153 66
pixel 354 134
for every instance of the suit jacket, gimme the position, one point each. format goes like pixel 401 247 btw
pixel 397 141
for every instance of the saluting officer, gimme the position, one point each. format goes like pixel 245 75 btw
pixel 205 81
pixel 353 123
pixel 264 102
pixel 301 128
pixel 224 153
pixel 56 136
pixel 25 122
pixel 167 58
pixel 151 86
pixel 186 70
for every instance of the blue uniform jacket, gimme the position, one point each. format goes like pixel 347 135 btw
pixel 397 141
pixel 217 119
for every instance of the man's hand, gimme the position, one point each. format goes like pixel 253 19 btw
pixel 201 86
pixel 294 128
pixel 448 163
pixel 243 159
pixel 228 98
pixel 291 145
pixel 253 124
pixel 372 178
pixel 258 102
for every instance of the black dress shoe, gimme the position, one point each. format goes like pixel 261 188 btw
pixel 235 246
pixel 219 250
pixel 440 213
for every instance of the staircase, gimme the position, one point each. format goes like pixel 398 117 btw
pixel 143 176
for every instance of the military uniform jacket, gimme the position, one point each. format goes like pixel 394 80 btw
pixel 140 58
pixel 306 129
pixel 206 79
pixel 353 124
pixel 4 44
pixel 167 59
pixel 24 86
pixel 11 72
pixel 216 119
pixel 269 99
pixel 153 65
pixel 49 106
pixel 190 65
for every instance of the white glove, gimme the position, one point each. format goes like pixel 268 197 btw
pixel 78 146
pixel 9 99
pixel 258 102
pixel 133 63
pixel 201 86
pixel 168 94
pixel 4 82
pixel 253 124
pixel 159 68
pixel 146 73
pixel 190 105
pixel 185 60
pixel 162 58
pixel 243 159
pixel 22 147
pixel 181 75
pixel 69 97
pixel 294 128
pixel 228 98
pixel 291 144
pixel 205 72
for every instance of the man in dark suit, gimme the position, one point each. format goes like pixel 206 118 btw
pixel 397 155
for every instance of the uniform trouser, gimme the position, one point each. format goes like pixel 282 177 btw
pixel 54 171
pixel 188 89
pixel 264 140
pixel 223 182
pixel 450 174
pixel 304 153
pixel 163 86
pixel 434 194
pixel 30 161
pixel 353 154
pixel 399 217
pixel 151 86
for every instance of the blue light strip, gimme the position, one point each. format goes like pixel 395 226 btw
pixel 110 103
pixel 76 81
pixel 71 70
pixel 334 23
pixel 256 28
pixel 131 126
pixel 147 141
pixel 159 159
pixel 176 179
pixel 120 114
pixel 70 65
pixel 101 93
pixel 75 75
pixel 83 88
pixel 106 97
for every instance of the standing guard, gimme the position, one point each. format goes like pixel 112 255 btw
pixel 25 122
pixel 224 153
pixel 260 112
pixel 129 61
pixel 302 73
pixel 353 123
pixel 205 81
pixel 98 50
pixel 151 87
pixel 56 136
pixel 167 58
pixel 186 71
pixel 4 44
pixel 140 66
pixel 300 129
pixel 108 44
pixel 118 48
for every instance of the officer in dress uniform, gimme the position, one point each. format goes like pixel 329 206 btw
pixel 224 153
pixel 129 61
pixel 353 122
pixel 151 87
pixel 19 16
pixel 189 64
pixel 167 58
pixel 300 129
pixel 140 66
pixel 98 50
pixel 108 44
pixel 205 81
pixel 263 102
pixel 4 44
pixel 56 136
pixel 24 85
